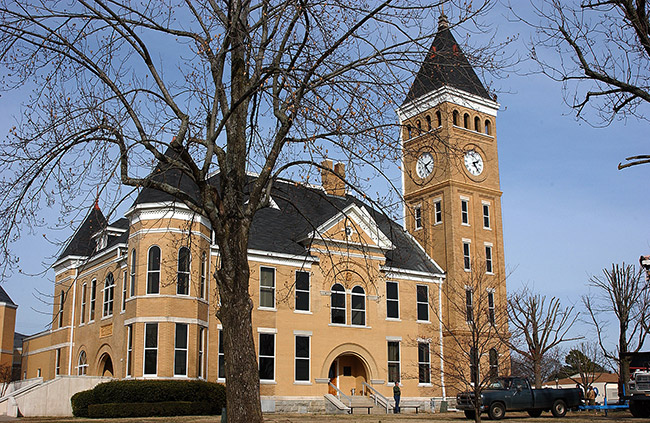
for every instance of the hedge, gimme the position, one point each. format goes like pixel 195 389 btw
pixel 151 409
pixel 151 391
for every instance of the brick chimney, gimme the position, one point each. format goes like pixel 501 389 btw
pixel 333 184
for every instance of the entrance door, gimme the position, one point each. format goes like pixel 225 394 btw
pixel 348 372
pixel 333 376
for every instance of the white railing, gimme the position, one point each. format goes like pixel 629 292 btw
pixel 379 398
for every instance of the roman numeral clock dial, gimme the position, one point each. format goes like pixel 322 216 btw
pixel 473 162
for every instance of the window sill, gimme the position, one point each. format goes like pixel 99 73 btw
pixel 425 385
pixel 301 382
pixel 487 229
pixel 465 224
pixel 489 273
pixel 267 309
pixel 393 319
pixel 428 322
pixel 303 311
pixel 107 317
pixel 339 325
pixel 268 382
pixel 437 223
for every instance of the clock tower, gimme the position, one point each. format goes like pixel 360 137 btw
pixel 451 177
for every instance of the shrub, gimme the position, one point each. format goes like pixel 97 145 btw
pixel 80 402
pixel 211 397
pixel 152 409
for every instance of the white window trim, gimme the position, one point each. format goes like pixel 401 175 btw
pixel 308 311
pixel 469 256
pixel 188 272
pixel 464 200
pixel 308 359
pixel 153 271
pixel 345 305
pixel 365 308
pixel 125 282
pixel 200 353
pixel 186 349
pixel 132 273
pixel 92 307
pixel 399 311
pixel 399 360
pixel 129 351
pixel 220 340
pixel 489 215
pixel 437 201
pixel 145 349
pixel 105 300
pixel 203 276
pixel 82 366
pixel 275 352
pixel 491 247
pixel 417 210
pixel 82 315
pixel 427 342
pixel 417 303
pixel 261 307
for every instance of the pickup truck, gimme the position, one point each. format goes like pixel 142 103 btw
pixel 514 393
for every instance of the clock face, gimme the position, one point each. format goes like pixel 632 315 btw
pixel 474 162
pixel 424 166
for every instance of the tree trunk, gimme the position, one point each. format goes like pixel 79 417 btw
pixel 623 375
pixel 537 371
pixel 242 374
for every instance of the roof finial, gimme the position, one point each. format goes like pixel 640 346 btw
pixel 443 23
pixel 97 200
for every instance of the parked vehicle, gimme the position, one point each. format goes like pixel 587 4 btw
pixel 515 394
pixel 638 392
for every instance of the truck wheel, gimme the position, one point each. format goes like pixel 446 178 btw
pixel 639 409
pixel 470 414
pixel 497 411
pixel 559 408
pixel 534 413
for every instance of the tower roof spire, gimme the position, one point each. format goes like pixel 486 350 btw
pixel 445 65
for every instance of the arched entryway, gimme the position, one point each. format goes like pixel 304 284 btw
pixel 106 365
pixel 348 373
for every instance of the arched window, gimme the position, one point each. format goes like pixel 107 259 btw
pixel 439 118
pixel 409 131
pixel 358 306
pixel 337 304
pixel 109 293
pixel 428 122
pixel 183 275
pixel 477 124
pixel 61 302
pixel 153 270
pixel 204 271
pixel 488 127
pixel 494 364
pixel 133 265
pixel 455 117
pixel 82 366
pixel 466 120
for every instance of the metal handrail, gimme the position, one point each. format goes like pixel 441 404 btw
pixel 385 402
pixel 340 394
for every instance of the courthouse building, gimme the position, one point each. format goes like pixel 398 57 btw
pixel 343 296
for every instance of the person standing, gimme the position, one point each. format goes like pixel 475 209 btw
pixel 397 392
pixel 591 396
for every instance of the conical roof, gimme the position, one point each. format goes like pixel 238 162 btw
pixel 82 243
pixel 445 65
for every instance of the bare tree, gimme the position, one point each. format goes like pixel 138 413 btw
pixel 203 88
pixel 549 368
pixel 600 52
pixel 538 325
pixel 621 297
pixel 474 354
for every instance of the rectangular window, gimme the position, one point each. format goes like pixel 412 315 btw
pixel 267 287
pixel 424 363
pixel 464 211
pixel 302 359
pixel 393 362
pixel 180 350
pixel 467 264
pixel 488 259
pixel 61 301
pixel 201 353
pixel 486 216
pixel 82 315
pixel 423 302
pixel 469 305
pixel 437 210
pixel 124 290
pixel 150 349
pixel 221 362
pixel 133 262
pixel 57 369
pixel 93 297
pixel 267 356
pixel 204 271
pixel 392 300
pixel 302 291
pixel 491 306
pixel 109 295
pixel 417 213
pixel 129 350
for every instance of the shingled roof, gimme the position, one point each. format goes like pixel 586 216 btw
pixel 445 65
pixel 82 243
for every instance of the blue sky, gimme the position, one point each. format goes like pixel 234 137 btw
pixel 567 211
